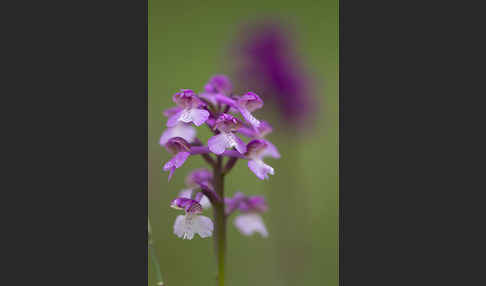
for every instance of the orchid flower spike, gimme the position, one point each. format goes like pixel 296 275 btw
pixel 180 148
pixel 186 226
pixel 190 109
pixel 257 149
pixel 217 108
pixel 227 125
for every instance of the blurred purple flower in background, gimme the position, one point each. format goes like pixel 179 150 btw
pixel 266 60
pixel 250 220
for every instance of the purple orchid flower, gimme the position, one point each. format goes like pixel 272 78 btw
pixel 186 226
pixel 257 150
pixel 260 133
pixel 202 199
pixel 198 176
pixel 226 124
pixel 190 109
pixel 193 181
pixel 250 220
pixel 232 204
pixel 180 147
pixel 183 130
pixel 218 90
pixel 248 103
pixel 219 84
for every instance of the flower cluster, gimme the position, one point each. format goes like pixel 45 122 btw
pixel 229 117
pixel 218 108
pixel 193 203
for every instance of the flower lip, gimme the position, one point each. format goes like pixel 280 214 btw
pixel 189 205
pixel 186 226
pixel 227 123
pixel 264 129
pixel 249 223
pixel 177 144
pixel 250 101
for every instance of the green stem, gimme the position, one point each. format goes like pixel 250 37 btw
pixel 154 260
pixel 220 221
pixel 156 265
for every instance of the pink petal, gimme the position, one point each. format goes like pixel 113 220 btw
pixel 209 97
pixel 186 116
pixel 180 227
pixel 182 130
pixel 203 226
pixel 270 151
pixel 180 158
pixel 171 111
pixel 186 193
pixel 260 169
pixel 250 133
pixel 250 223
pixel 250 118
pixel 176 161
pixel 171 173
pixel 173 119
pixel 218 143
pixel 199 116
pixel 205 202
pixel 240 145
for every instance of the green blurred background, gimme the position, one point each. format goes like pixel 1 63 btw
pixel 188 42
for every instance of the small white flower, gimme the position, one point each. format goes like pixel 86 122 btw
pixel 186 226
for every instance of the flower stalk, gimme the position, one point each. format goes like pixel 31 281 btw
pixel 220 221
pixel 153 258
